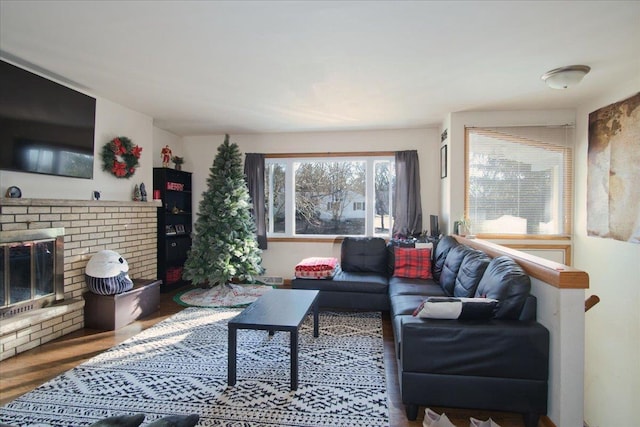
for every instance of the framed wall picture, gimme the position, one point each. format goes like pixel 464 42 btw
pixel 443 161
pixel 180 229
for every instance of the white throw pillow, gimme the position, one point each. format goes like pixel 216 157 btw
pixel 456 308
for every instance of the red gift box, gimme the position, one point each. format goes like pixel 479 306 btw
pixel 174 274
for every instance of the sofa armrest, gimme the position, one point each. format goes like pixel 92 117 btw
pixel 487 348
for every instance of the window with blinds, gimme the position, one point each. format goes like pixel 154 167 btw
pixel 519 180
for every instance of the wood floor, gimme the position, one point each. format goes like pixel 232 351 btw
pixel 28 370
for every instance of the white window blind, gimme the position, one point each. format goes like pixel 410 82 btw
pixel 519 180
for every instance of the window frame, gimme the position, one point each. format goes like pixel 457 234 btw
pixel 567 188
pixel 370 158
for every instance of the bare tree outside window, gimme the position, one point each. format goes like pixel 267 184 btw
pixel 323 192
pixel 329 196
pixel 275 197
pixel 384 186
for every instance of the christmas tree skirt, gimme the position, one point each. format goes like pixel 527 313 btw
pixel 229 295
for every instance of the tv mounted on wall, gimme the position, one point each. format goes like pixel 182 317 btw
pixel 45 127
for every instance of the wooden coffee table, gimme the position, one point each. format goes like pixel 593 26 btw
pixel 277 310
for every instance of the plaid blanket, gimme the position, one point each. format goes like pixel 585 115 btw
pixel 316 268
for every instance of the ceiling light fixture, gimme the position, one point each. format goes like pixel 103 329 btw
pixel 564 77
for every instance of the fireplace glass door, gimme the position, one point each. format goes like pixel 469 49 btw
pixel 27 271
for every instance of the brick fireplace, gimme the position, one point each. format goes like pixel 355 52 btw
pixel 128 228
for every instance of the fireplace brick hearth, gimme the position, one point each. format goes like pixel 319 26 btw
pixel 128 228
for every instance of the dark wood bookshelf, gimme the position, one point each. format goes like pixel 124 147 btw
pixel 174 225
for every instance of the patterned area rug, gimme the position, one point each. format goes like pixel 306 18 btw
pixel 179 366
pixel 222 296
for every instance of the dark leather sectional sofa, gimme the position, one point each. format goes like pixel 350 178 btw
pixel 500 363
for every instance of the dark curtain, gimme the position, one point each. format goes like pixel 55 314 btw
pixel 254 172
pixel 407 204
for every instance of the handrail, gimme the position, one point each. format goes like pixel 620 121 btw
pixel 551 272
pixel 590 302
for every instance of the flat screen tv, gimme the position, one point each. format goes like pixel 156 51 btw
pixel 45 127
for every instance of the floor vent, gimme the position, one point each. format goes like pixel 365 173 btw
pixel 270 280
pixel 17 310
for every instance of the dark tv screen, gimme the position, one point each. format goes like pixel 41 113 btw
pixel 45 127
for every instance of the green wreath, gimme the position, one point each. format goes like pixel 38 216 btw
pixel 120 157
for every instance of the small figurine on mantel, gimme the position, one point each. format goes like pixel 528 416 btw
pixel 136 193
pixel 166 156
pixel 143 193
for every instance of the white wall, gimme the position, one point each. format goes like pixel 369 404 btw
pixel 281 257
pixel 446 223
pixel 111 120
pixel 612 369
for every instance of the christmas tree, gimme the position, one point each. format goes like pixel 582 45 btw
pixel 225 245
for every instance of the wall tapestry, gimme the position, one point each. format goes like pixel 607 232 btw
pixel 613 178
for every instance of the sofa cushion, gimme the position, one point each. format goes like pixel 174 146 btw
pixel 364 255
pixel 346 282
pixel 442 250
pixel 405 304
pixel 530 309
pixel 452 266
pixel 412 263
pixel 456 308
pixel 505 281
pixel 478 348
pixel 471 271
pixel 120 421
pixel 404 286
pixel 176 421
pixel 397 331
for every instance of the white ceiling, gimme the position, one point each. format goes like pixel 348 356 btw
pixel 202 67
